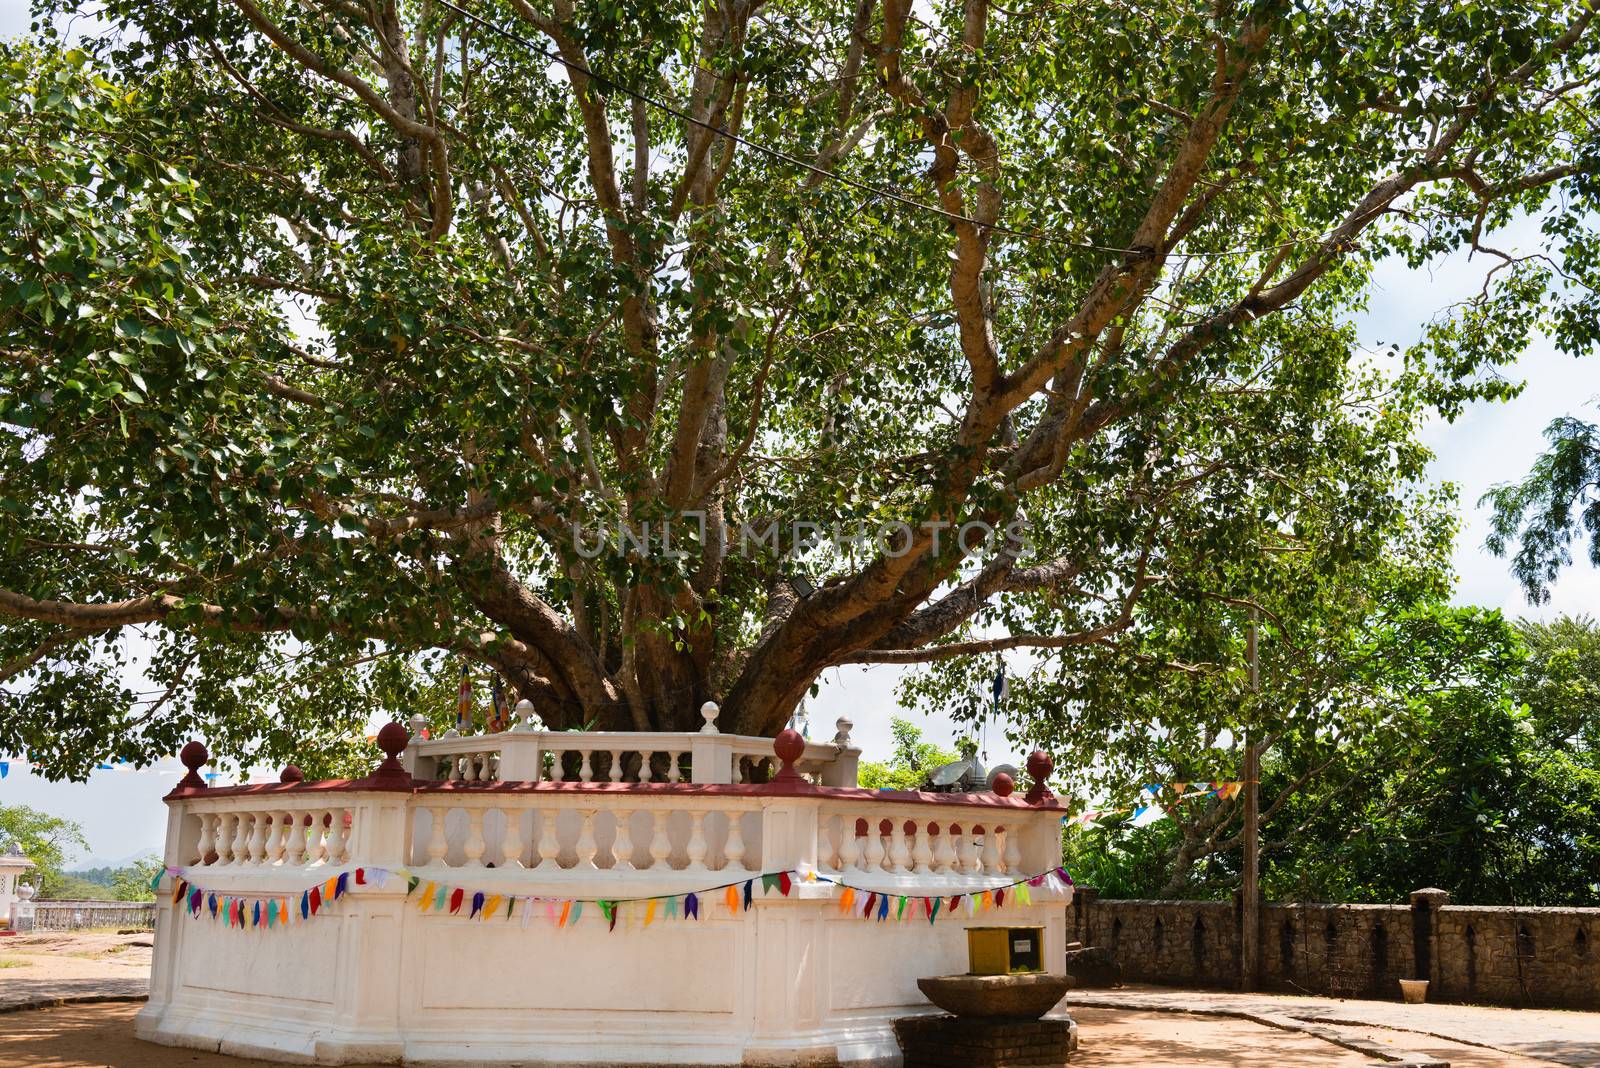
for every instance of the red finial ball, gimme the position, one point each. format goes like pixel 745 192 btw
pixel 393 739
pixel 790 747
pixel 1039 768
pixel 193 756
pixel 1003 785
pixel 291 773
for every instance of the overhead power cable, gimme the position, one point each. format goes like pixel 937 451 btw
pixel 810 168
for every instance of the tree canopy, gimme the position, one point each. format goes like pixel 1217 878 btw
pixel 44 839
pixel 1558 502
pixel 335 335
pixel 1491 793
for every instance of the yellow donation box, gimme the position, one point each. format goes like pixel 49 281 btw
pixel 1005 950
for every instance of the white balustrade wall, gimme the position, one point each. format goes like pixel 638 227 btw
pixel 373 979
pixel 557 833
pixel 708 756
pixel 290 832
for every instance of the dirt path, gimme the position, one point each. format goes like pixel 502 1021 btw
pixel 58 964
pixel 1120 1038
pixel 1514 1038
pixel 101 1036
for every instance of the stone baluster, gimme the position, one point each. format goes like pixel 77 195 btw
pixel 696 849
pixel 849 844
pixel 469 767
pixel 437 845
pixel 899 851
pixel 511 839
pixel 990 856
pixel 875 851
pixel 221 840
pixel 944 853
pixel 549 846
pixel 241 837
pixel 967 852
pixel 733 849
pixel 922 854
pixel 278 844
pixel 586 847
pixel 616 765
pixel 1013 850
pixel 674 773
pixel 333 844
pixel 824 843
pixel 622 845
pixel 295 841
pixel 203 847
pixel 660 844
pixel 238 837
pixel 227 824
pixel 260 833
pixel 474 847
pixel 586 770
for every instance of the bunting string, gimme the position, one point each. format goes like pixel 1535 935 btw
pixel 272 909
pixel 265 908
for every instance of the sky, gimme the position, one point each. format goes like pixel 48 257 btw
pixel 122 814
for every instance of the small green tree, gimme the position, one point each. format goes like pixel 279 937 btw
pixel 133 882
pixel 44 839
pixel 909 765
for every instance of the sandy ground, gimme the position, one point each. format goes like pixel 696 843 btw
pixel 1119 1038
pixel 1511 1037
pixel 101 1036
pixel 57 965
pixel 62 964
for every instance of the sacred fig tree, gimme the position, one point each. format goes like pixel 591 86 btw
pixel 639 354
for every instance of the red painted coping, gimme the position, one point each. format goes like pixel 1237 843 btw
pixel 625 789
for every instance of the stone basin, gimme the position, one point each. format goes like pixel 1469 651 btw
pixel 1025 997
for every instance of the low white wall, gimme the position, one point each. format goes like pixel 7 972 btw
pixel 70 915
pixel 371 979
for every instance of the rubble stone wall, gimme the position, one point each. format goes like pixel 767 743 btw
pixel 1495 954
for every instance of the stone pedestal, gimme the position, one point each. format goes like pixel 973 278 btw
pixel 983 1042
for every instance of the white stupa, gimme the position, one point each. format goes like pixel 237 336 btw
pixel 13 866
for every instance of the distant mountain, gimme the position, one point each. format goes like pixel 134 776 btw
pixel 125 862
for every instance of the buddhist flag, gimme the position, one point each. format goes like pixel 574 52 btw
pixel 464 700
pixel 732 898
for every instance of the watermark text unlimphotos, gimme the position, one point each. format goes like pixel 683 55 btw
pixel 685 535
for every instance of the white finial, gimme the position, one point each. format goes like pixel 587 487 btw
pixel 524 716
pixel 709 712
pixel 24 892
pixel 419 722
pixel 842 739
